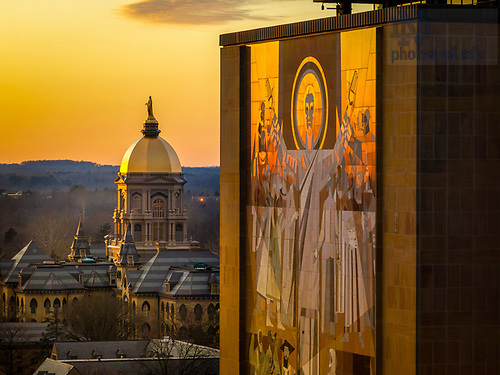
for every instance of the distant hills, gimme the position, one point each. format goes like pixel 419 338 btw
pixel 55 175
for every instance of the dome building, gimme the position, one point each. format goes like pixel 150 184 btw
pixel 150 196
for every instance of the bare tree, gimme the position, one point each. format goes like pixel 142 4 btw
pixel 53 231
pixel 16 350
pixel 182 358
pixel 193 329
pixel 99 317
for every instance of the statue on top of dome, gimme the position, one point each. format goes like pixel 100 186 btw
pixel 150 107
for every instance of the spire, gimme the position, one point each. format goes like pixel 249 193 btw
pixel 79 231
pixel 80 248
pixel 128 251
pixel 128 234
pixel 150 126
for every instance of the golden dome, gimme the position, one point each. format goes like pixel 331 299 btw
pixel 150 155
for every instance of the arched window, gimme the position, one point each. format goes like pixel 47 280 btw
pixel 46 304
pixel 22 303
pixel 167 309
pixel 172 311
pixel 198 312
pixel 64 302
pixel 183 312
pixel 33 306
pixel 162 308
pixel 75 301
pixel 158 207
pixel 145 308
pixel 57 304
pixel 133 308
pixel 211 312
pixel 12 308
pixel 136 202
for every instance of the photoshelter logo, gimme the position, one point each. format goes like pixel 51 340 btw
pixel 415 43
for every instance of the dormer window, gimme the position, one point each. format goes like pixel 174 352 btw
pixel 214 289
pixel 167 287
pixel 130 259
pixel 96 354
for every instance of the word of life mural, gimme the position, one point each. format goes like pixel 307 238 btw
pixel 311 211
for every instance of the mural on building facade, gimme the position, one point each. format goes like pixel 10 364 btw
pixel 311 214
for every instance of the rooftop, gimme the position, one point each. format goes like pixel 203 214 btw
pixel 450 13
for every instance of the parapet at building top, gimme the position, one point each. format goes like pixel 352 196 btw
pixel 436 11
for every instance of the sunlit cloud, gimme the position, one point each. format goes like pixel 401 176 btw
pixel 195 12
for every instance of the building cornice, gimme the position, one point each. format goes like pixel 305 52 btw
pixel 429 12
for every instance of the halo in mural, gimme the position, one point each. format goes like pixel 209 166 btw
pixel 309 105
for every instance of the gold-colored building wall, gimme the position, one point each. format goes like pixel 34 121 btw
pixel 231 61
pixel 437 258
pixel 397 172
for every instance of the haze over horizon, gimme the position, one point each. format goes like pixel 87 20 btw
pixel 76 75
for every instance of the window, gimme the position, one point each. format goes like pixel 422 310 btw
pixel 211 312
pixel 33 306
pixel 183 312
pixel 156 231
pixel 46 304
pixel 57 304
pixel 177 201
pixel 136 202
pixel 179 232
pixel 198 312
pixel 130 259
pixel 146 308
pixel 158 207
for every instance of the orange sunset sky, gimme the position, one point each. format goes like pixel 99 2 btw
pixel 76 74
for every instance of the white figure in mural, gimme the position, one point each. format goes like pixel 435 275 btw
pixel 267 218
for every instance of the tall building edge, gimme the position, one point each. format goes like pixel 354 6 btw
pixel 230 209
pixel 437 262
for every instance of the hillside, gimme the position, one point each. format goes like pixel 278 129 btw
pixel 57 175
